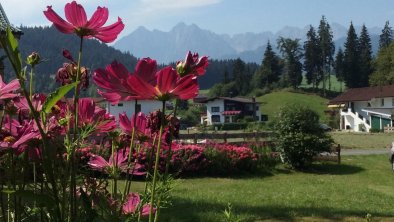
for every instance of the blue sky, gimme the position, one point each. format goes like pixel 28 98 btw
pixel 220 16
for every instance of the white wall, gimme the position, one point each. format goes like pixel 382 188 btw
pixel 147 106
pixel 220 103
pixel 376 102
pixel 215 103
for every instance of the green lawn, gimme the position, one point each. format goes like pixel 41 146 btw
pixel 272 102
pixel 329 192
pixel 363 140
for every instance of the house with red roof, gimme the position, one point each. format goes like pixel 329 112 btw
pixel 365 109
pixel 230 110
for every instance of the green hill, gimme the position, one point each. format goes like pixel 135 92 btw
pixel 272 102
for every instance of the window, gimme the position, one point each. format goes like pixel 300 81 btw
pixel 368 104
pixel 215 109
pixel 226 119
pixel 138 108
pixel 215 118
pixel 257 108
pixel 381 102
pixel 120 104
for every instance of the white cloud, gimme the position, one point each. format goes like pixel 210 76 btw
pixel 30 12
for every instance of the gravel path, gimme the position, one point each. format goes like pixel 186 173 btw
pixel 346 152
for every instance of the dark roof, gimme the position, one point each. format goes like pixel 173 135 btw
pixel 364 94
pixel 200 98
pixel 4 23
pixel 235 99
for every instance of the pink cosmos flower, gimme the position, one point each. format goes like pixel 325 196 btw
pixel 77 22
pixel 17 135
pixel 131 205
pixel 91 115
pixel 118 159
pixel 116 83
pixel 7 91
pixel 140 122
pixel 192 65
pixel 168 85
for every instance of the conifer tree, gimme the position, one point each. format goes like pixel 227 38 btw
pixel 339 67
pixel 270 69
pixel 327 51
pixel 240 76
pixel 351 59
pixel 291 51
pixel 365 59
pixel 386 37
pixel 312 61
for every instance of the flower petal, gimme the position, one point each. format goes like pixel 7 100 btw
pixel 98 19
pixel 186 87
pixel 166 79
pixel 146 69
pixel 109 33
pixel 12 86
pixel 75 14
pixel 98 163
pixel 143 89
pixel 58 22
pixel 125 123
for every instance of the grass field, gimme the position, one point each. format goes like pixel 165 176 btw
pixel 329 192
pixel 363 140
pixel 272 102
pixel 335 84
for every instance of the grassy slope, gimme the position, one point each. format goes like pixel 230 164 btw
pixel 335 84
pixel 272 102
pixel 330 192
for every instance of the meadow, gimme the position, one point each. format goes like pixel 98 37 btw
pixel 361 185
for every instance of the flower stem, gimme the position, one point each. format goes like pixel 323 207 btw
pixel 157 159
pixel 31 82
pixel 169 154
pixel 73 186
pixel 114 170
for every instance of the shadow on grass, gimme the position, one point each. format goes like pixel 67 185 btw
pixel 333 169
pixel 184 210
pixel 237 175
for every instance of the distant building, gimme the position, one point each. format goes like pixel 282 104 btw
pixel 363 109
pixel 230 109
pixel 145 106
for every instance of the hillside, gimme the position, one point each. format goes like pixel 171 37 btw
pixel 272 102
pixel 49 43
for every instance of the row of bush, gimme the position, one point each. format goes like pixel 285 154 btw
pixel 247 126
pixel 209 159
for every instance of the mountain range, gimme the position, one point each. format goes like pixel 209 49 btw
pixel 167 47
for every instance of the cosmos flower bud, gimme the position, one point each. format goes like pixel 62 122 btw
pixel 33 59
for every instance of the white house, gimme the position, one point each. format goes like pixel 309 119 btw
pixel 145 106
pixel 363 109
pixel 229 109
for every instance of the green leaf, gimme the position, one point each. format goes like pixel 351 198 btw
pixel 10 45
pixel 40 198
pixel 8 191
pixel 56 96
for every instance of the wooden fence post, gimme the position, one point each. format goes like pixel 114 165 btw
pixel 339 153
pixel 195 138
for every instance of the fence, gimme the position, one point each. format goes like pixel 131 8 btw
pixel 256 136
